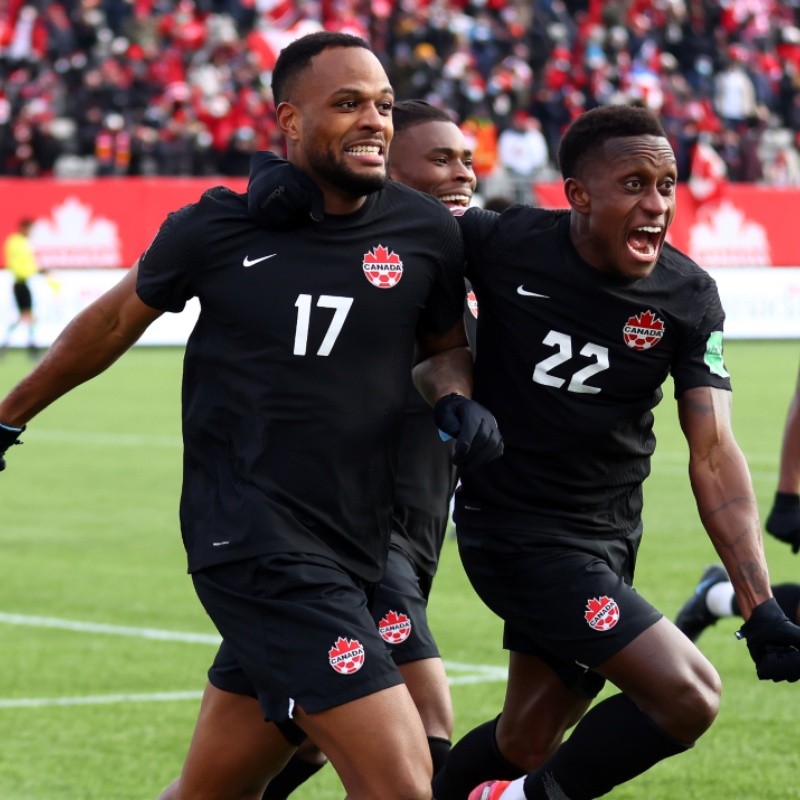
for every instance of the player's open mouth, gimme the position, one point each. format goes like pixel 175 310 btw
pixel 644 241
pixel 455 199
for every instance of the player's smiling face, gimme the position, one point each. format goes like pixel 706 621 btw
pixel 339 125
pixel 625 202
pixel 433 157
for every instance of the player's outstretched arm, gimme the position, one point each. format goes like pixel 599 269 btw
pixel 444 378
pixel 89 344
pixel 724 493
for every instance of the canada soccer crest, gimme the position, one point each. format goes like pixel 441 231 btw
pixel 643 331
pixel 395 627
pixel 472 304
pixel 382 267
pixel 602 613
pixel 346 656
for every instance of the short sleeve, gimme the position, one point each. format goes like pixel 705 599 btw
pixel 699 361
pixel 166 267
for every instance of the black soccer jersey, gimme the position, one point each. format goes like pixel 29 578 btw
pixel 297 371
pixel 571 360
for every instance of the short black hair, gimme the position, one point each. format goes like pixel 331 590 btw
pixel 592 129
pixel 296 57
pixel 407 113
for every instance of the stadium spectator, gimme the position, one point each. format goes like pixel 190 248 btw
pixel 604 310
pixel 297 625
pixel 522 152
pixel 487 60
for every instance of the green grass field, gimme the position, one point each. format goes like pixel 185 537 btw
pixel 105 646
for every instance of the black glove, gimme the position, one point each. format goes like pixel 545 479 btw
pixel 773 642
pixel 280 196
pixel 478 439
pixel 783 521
pixel 8 437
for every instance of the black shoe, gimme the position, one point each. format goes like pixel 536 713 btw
pixel 695 617
pixel 34 352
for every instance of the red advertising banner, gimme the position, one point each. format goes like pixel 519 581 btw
pixel 748 226
pixel 107 222
pixel 99 223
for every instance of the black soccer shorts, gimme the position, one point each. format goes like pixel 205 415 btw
pixel 23 297
pixel 296 631
pixel 567 600
pixel 399 609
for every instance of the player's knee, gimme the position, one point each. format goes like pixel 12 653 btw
pixel 530 750
pixel 694 706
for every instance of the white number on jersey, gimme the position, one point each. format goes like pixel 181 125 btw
pixel 340 305
pixel 563 345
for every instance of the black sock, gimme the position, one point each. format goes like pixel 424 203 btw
pixel 440 749
pixel 296 772
pixel 582 768
pixel 473 759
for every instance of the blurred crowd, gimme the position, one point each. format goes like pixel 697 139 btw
pixel 157 87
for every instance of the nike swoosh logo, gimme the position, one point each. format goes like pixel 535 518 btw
pixel 525 293
pixel 248 262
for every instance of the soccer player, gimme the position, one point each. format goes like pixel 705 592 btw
pixel 428 153
pixel 583 315
pixel 295 380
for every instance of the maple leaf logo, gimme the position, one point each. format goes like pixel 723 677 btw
pixel 602 613
pixel 643 331
pixel 395 627
pixel 382 267
pixel 346 656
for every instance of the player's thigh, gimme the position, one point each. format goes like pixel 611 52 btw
pixel 538 710
pixel 233 752
pixel 426 680
pixel 376 744
pixel 668 678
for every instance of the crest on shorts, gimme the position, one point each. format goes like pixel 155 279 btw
pixel 382 267
pixel 395 627
pixel 346 656
pixel 643 331
pixel 472 304
pixel 602 613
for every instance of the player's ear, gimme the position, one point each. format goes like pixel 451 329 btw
pixel 577 195
pixel 288 116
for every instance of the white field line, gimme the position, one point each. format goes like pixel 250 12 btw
pixel 471 673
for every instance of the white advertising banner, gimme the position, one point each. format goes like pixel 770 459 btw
pixel 760 303
pixel 61 294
